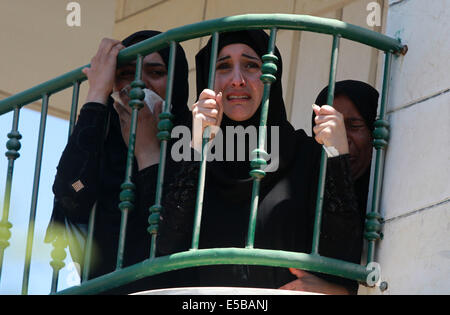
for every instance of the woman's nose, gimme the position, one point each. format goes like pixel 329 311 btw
pixel 237 79
pixel 351 144
pixel 148 85
pixel 148 81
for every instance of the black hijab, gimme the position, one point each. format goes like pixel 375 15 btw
pixel 96 155
pixel 114 155
pixel 113 165
pixel 180 81
pixel 365 98
pixel 363 95
pixel 232 173
pixel 285 205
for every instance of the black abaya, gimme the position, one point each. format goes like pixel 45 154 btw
pixel 286 205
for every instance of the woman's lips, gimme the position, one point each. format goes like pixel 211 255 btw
pixel 238 98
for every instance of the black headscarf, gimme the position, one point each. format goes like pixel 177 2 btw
pixel 365 98
pixel 180 81
pixel 96 154
pixel 113 160
pixel 286 200
pixel 258 40
pixel 363 95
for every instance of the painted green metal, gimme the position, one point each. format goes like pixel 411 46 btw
pixel 37 175
pixel 205 142
pixel 205 28
pixel 197 257
pixel 268 69
pixel 58 254
pixel 73 109
pixel 221 256
pixel 13 146
pixel 87 259
pixel 212 60
pixel 323 158
pixel 381 137
pixel 127 196
pixel 164 127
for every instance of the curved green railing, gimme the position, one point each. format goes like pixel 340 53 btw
pixel 198 257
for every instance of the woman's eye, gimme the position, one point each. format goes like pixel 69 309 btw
pixel 126 74
pixel 356 126
pixel 157 73
pixel 222 66
pixel 252 65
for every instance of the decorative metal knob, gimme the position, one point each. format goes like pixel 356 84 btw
pixel 137 94
pixel 381 134
pixel 269 68
pixel 373 226
pixel 165 126
pixel 5 234
pixel 127 196
pixel 153 219
pixel 13 145
pixel 258 162
pixel 59 252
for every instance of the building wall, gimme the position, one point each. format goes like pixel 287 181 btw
pixel 38 45
pixel 306 56
pixel 415 252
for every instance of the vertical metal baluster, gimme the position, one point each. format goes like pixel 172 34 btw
pixel 164 126
pixel 58 254
pixel 89 243
pixel 206 135
pixel 87 259
pixel 13 145
pixel 37 174
pixel 74 108
pixel 60 243
pixel 323 159
pixel 381 138
pixel 127 196
pixel 269 70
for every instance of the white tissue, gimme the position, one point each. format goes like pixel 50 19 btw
pixel 150 99
pixel 116 97
pixel 331 151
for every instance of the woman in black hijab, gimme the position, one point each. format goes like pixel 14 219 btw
pixel 358 102
pixel 92 167
pixel 287 193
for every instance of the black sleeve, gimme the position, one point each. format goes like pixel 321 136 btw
pixel 341 230
pixel 146 187
pixel 75 185
pixel 341 225
pixel 176 222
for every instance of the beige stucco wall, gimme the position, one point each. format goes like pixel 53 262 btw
pixel 415 252
pixel 42 46
pixel 38 45
pixel 306 56
pixel 415 200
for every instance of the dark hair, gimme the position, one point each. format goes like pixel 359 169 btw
pixel 363 95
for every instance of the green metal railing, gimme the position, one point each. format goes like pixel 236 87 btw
pixel 199 257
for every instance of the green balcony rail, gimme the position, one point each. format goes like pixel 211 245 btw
pixel 195 256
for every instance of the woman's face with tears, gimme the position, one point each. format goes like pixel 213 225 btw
pixel 154 74
pixel 238 72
